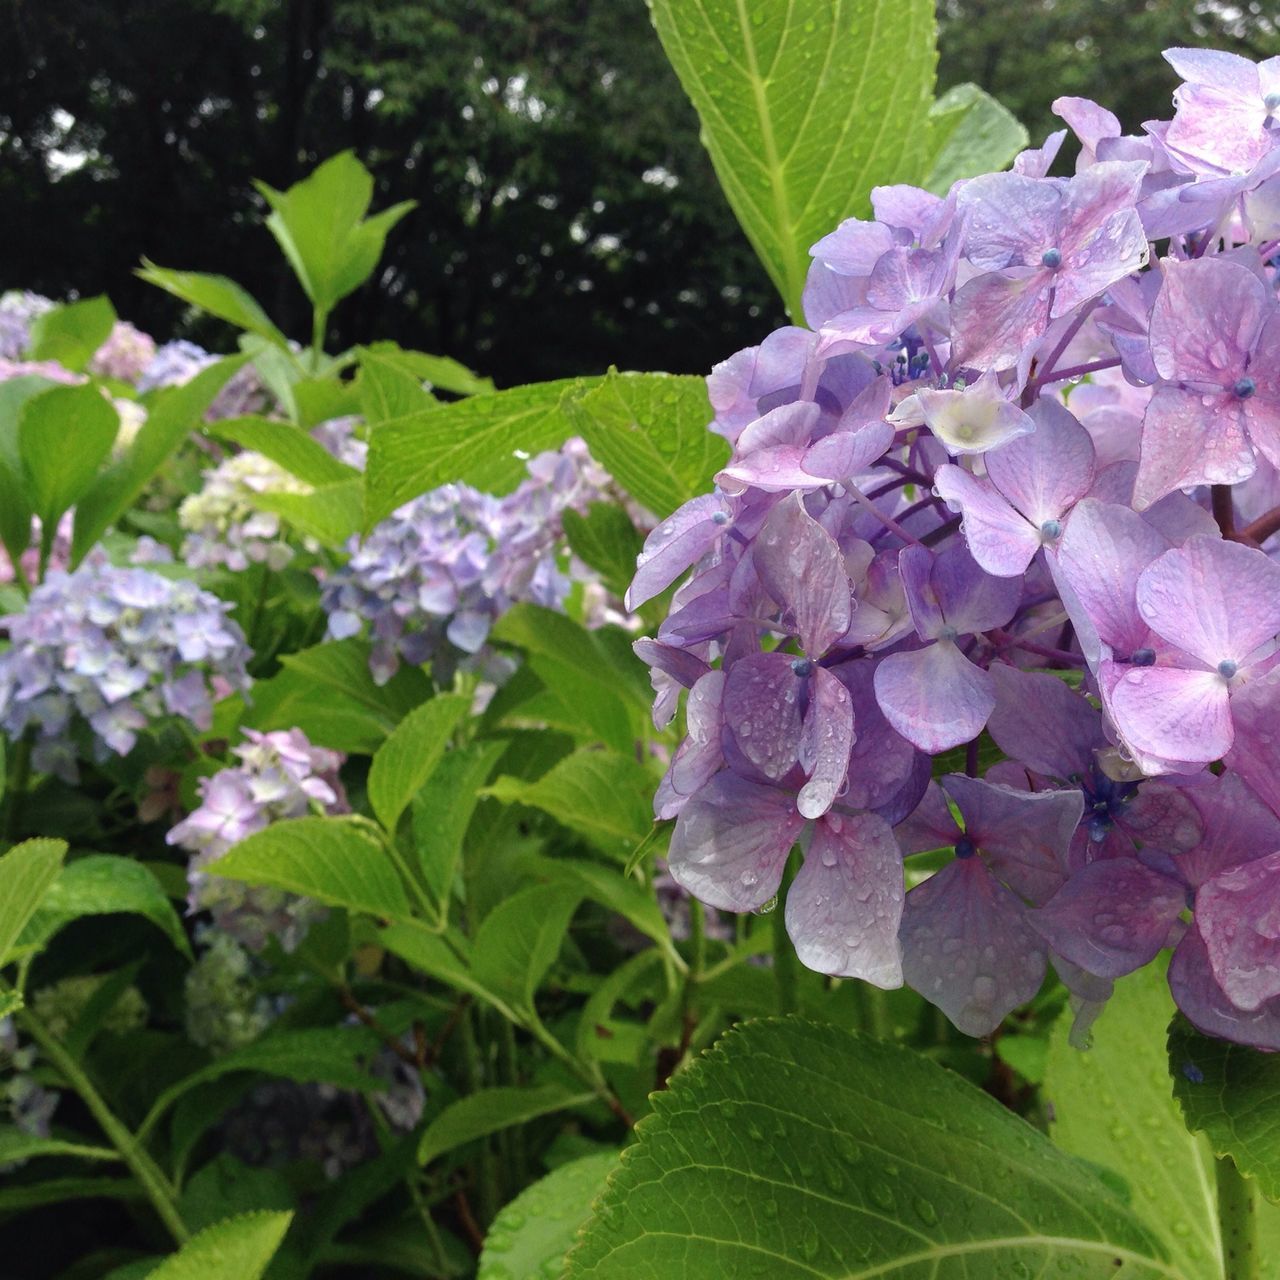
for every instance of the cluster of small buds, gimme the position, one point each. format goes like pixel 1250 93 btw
pixel 30 1106
pixel 279 775
pixel 125 356
pixel 18 310
pixel 430 580
pixel 114 651
pixel 225 525
pixel 60 1006
pixel 1015 485
pixel 223 1007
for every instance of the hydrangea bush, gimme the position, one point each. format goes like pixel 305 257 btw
pixel 367 908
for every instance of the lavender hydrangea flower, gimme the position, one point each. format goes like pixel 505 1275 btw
pixel 18 309
pixel 280 775
pixel 126 355
pixel 115 650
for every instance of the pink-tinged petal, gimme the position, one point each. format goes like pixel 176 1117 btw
pixel 935 697
pixel 1206 319
pixel 781 360
pixel 678 542
pixel 1255 756
pixel 684 667
pixel 1161 817
pixel 882 759
pixel 1237 826
pixel 1215 599
pixel 788 424
pixel 971 599
pixel 930 825
pixel 979 418
pixel 845 454
pixel 1111 917
pixel 731 842
pixel 1043 723
pixel 778 469
pixel 1024 835
pixel 1035 162
pixel 1189 439
pixel 911 208
pixel 995 318
pixel 1009 219
pixel 1047 472
pixel 1216 68
pixel 762 711
pixel 801 567
pixel 1089 122
pixel 967 947
pixel 826 743
pixel 1204 1002
pixel 1173 714
pixel 1238 914
pixel 853 248
pixel 1179 517
pixel 1101 236
pixel 998 537
pixel 1102 554
pixel 699 756
pixel 1217 129
pixel 845 905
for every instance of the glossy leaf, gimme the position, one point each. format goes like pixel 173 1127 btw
pixel 218 296
pixel 491 1110
pixel 72 333
pixel 26 872
pixel 409 756
pixel 330 513
pixel 439 371
pixel 969 133
pixel 520 939
pixel 804 108
pixel 235 1249
pixel 804 1150
pixel 286 445
pixel 64 437
pixel 388 389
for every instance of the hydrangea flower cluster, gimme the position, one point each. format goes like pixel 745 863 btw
pixel 126 355
pixel 18 311
pixel 223 522
pixel 223 1009
pixel 177 362
pixel 28 1105
pixel 1017 482
pixel 113 650
pixel 430 580
pixel 280 775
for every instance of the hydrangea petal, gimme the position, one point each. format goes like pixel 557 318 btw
pixel 762 711
pixel 1238 913
pixel 1204 1002
pixel 678 542
pixel 998 536
pixel 826 743
pixel 1043 474
pixel 935 697
pixel 1173 714
pixel 1042 722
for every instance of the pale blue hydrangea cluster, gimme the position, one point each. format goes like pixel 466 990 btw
pixel 280 775
pixel 432 578
pixel 114 651
pixel 18 311
pixel 177 362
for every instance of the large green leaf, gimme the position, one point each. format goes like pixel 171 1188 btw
pixel 1231 1094
pixel 286 445
pixel 236 1249
pixel 409 756
pixel 800 1150
pixel 805 106
pixel 218 296
pixel 71 334
pixel 490 1110
pixel 388 389
pixel 64 437
pixel 319 224
pixel 484 440
pixel 337 861
pixel 520 939
pixel 1112 1104
pixel 171 415
pixel 533 1233
pixel 15 491
pixel 103 884
pixel 969 133
pixel 649 430
pixel 440 371
pixel 330 513
pixel 26 872
pixel 604 796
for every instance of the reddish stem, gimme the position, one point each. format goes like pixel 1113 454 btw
pixel 1261 529
pixel 1224 511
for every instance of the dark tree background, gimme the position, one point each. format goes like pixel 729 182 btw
pixel 569 218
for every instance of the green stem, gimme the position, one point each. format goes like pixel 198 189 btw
pixel 473 1077
pixel 872 1012
pixel 15 791
pixel 319 322
pixel 1238 1222
pixel 589 1073
pixel 149 1174
pixel 786 970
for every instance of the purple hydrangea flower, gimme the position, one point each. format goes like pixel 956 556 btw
pixel 126 355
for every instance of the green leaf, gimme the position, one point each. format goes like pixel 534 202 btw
pixel 649 431
pixel 409 756
pixel 320 226
pixel 15 1144
pixel 71 334
pixel 218 296
pixel 286 445
pixel 474 440
pixel 1113 1105
pixel 330 514
pixel 388 389
pixel 427 951
pixel 442 812
pixel 440 371
pixel 805 107
pixel 605 797
pixel 969 133
pixel 337 861
pixel 102 884
pixel 793 1149
pixel 490 1110
pixel 322 399
pixel 26 872
pixel 532 1234
pixel 15 496
pixel 64 437
pixel 519 940
pixel 171 415
pixel 1230 1093
pixel 236 1249
pixel 605 540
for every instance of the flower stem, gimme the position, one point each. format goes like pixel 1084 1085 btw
pixel 1238 1222
pixel 149 1174
pixel 1224 511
